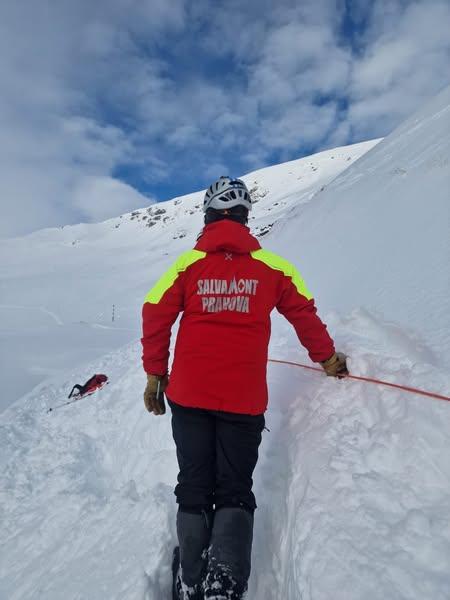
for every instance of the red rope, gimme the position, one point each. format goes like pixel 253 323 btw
pixel 367 379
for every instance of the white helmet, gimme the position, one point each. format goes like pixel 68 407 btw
pixel 226 193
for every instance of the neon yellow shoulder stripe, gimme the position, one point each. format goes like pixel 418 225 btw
pixel 168 279
pixel 280 264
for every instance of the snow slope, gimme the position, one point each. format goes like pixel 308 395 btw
pixel 353 483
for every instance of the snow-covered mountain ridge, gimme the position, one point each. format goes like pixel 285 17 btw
pixel 272 188
pixel 353 483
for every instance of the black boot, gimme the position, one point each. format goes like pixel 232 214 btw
pixel 194 532
pixel 229 554
pixel 175 571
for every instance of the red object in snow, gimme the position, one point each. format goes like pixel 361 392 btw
pixel 96 382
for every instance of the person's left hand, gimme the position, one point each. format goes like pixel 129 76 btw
pixel 154 393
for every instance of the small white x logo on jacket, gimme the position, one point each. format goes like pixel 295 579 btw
pixel 228 256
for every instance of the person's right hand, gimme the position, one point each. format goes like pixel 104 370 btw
pixel 154 394
pixel 336 365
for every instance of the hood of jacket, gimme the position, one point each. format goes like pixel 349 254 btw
pixel 227 236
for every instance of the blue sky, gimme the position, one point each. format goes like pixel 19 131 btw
pixel 107 106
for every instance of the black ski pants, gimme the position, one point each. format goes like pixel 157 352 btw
pixel 217 453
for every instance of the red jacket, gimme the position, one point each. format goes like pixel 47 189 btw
pixel 226 288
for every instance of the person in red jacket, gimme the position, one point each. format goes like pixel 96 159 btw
pixel 226 288
pixel 96 382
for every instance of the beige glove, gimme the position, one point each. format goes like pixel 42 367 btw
pixel 336 365
pixel 154 393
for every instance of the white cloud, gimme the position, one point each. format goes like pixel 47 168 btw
pixel 40 189
pixel 299 125
pixel 60 64
pixel 405 61
pixel 215 170
pixel 41 164
pixel 100 198
pixel 86 89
